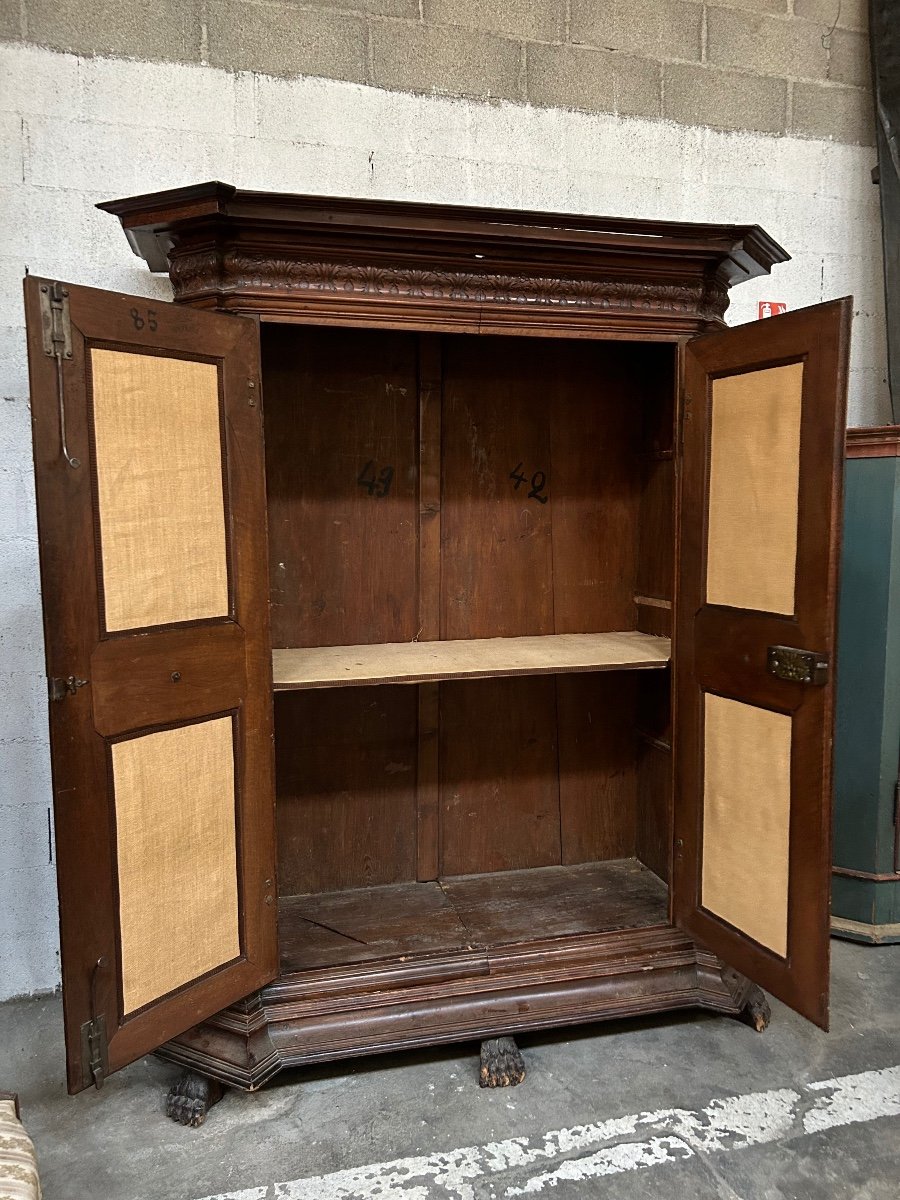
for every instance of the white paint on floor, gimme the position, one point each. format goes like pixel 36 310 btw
pixel 586 1152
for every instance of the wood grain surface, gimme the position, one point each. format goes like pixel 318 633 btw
pixel 468 658
pixel 474 912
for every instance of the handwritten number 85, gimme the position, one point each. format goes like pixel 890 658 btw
pixel 139 321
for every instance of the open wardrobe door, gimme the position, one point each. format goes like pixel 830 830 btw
pixel 761 470
pixel 148 451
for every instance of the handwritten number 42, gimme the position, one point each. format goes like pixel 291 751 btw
pixel 538 483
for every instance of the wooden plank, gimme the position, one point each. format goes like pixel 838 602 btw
pixel 341 442
pixel 346 788
pixel 478 658
pixel 428 783
pixel 499 775
pixel 653 841
pixel 367 924
pixel 655 574
pixel 430 387
pixel 654 803
pixel 596 717
pixel 519 906
pixel 595 408
pixel 481 911
pixel 497 571
pixel 655 578
pixel 429 597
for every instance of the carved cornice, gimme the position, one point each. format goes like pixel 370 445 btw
pixel 214 272
pixel 196 273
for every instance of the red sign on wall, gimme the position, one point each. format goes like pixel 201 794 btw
pixel 771 308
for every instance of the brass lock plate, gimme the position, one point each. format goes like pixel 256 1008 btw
pixel 797 666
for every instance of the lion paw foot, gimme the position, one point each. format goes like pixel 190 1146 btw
pixel 191 1098
pixel 502 1064
pixel 756 1011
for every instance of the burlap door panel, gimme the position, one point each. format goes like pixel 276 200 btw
pixel 160 501
pixel 747 819
pixel 174 797
pixel 754 489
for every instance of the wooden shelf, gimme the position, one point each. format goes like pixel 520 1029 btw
pixel 482 658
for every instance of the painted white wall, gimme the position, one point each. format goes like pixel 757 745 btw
pixel 75 131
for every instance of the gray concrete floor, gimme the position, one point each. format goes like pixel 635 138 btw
pixel 118 1144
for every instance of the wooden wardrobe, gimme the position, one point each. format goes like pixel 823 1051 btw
pixel 439 613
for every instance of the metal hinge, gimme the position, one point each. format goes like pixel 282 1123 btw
pixel 94 1040
pixel 797 666
pixel 685 416
pixel 94 1052
pixel 60 688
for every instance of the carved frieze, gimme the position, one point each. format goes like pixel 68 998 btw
pixel 214 272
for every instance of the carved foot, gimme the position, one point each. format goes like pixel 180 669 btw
pixel 191 1098
pixel 502 1064
pixel 756 1012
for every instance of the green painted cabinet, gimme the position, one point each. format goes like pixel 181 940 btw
pixel 866 883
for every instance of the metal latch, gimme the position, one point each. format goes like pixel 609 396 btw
pixel 60 688
pixel 797 666
pixel 56 327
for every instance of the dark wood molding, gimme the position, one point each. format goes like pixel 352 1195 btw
pixel 871 876
pixel 379 1007
pixel 427 266
pixel 200 275
pixel 874 441
pixel 152 223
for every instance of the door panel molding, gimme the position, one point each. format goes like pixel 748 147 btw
pixel 183 673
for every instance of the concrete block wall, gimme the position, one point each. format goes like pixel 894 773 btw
pixel 796 67
pixel 124 98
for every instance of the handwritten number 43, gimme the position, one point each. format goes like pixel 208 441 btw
pixel 377 485
pixel 538 483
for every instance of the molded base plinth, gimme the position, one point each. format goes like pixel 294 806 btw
pixel 378 1007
